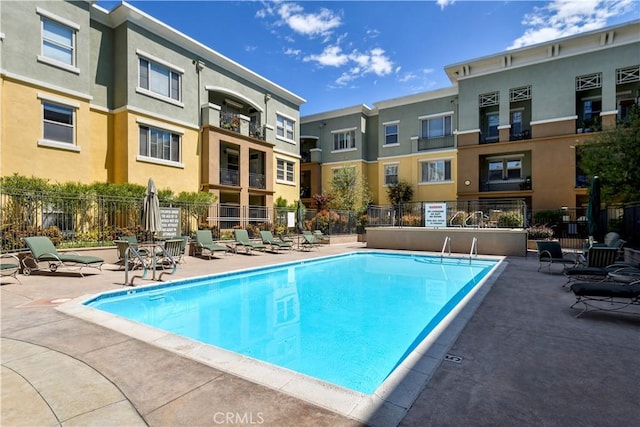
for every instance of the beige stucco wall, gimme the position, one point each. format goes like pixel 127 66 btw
pixel 289 192
pixel 491 241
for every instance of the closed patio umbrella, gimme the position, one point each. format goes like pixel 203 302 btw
pixel 151 209
pixel 593 208
pixel 300 216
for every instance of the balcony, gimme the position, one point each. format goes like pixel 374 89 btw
pixel 523 184
pixel 425 144
pixel 229 177
pixel 257 180
pixel 213 115
pixel 525 134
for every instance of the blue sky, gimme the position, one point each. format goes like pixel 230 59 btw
pixel 338 54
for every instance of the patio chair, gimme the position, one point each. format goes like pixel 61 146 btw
pixel 272 243
pixel 204 242
pixel 242 240
pixel 599 262
pixel 171 254
pixel 131 255
pixel 321 238
pixel 607 296
pixel 9 266
pixel 308 241
pixel 550 252
pixel 42 250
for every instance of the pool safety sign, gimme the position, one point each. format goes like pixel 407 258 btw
pixel 435 215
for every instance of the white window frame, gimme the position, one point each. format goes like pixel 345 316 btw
pixel 426 133
pixel 71 46
pixel 171 71
pixel 285 171
pixel 391 167
pixel 60 103
pixel 348 142
pixel 438 164
pixel 159 159
pixel 285 128
pixel 388 126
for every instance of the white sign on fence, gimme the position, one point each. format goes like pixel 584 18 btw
pixel 170 222
pixel 291 219
pixel 435 215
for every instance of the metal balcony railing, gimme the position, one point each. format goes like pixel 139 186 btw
pixel 257 180
pixel 425 144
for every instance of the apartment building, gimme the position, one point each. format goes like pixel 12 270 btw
pixel 507 128
pixel 118 96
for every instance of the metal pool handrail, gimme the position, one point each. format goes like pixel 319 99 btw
pixel 446 245
pixel 474 249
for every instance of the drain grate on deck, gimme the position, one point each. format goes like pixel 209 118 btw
pixel 453 358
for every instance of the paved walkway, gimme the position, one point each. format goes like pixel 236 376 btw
pixel 524 360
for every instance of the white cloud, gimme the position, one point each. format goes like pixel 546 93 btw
pixel 292 52
pixel 374 61
pixel 562 18
pixel 444 3
pixel 293 15
pixel 331 56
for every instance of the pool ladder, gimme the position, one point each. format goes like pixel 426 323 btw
pixel 446 247
pixel 474 249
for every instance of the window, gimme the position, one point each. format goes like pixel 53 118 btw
pixel 514 168
pixel 285 171
pixel 493 120
pixel 505 169
pixel 284 127
pixel 159 79
pixel 58 42
pixel 435 171
pixel 391 134
pixel 344 140
pixel 159 144
pixel 436 127
pixel 495 170
pixel 58 123
pixel 516 122
pixel 591 111
pixel 390 174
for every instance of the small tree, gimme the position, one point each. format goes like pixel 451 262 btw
pixel 321 201
pixel 349 190
pixel 614 155
pixel 400 192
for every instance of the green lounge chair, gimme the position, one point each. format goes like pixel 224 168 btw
pixel 550 252
pixel 242 240
pixel 204 242
pixel 600 261
pixel 274 245
pixel 43 250
pixel 321 238
pixel 607 296
pixel 10 266
pixel 308 241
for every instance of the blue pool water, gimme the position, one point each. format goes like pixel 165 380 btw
pixel 348 320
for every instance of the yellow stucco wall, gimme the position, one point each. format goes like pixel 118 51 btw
pixel 409 171
pixel 22 131
pixel 128 167
pixel 291 193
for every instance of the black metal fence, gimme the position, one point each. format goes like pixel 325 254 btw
pixel 468 213
pixel 97 221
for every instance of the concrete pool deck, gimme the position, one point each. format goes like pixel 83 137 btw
pixel 524 359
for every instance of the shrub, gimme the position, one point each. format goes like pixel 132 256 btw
pixel 539 232
pixel 510 219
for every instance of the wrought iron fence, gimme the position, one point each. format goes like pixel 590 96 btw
pixel 467 213
pixel 97 220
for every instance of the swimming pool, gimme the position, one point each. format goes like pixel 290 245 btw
pixel 347 320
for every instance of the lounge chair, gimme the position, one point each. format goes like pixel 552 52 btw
pixel 272 243
pixel 43 250
pixel 321 238
pixel 242 241
pixel 308 241
pixel 10 266
pixel 600 261
pixel 550 252
pixel 607 296
pixel 204 242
